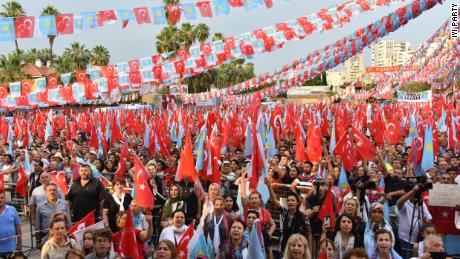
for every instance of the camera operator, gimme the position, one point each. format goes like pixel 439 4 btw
pixel 444 221
pixel 413 212
pixel 359 182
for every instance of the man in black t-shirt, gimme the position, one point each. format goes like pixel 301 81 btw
pixel 85 195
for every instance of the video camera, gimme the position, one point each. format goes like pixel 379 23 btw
pixel 409 183
pixel 319 182
pixel 361 182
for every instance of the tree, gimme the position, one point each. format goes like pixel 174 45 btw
pixel 168 39
pixel 50 10
pixel 62 65
pixel 13 9
pixel 10 67
pixel 201 32
pixel 78 55
pixel 187 35
pixel 218 36
pixel 100 56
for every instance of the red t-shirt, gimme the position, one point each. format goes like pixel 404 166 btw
pixel 264 216
pixel 117 239
pixel 444 220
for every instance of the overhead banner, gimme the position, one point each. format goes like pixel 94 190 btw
pixel 419 97
pixel 390 69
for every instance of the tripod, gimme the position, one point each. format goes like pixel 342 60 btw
pixel 418 207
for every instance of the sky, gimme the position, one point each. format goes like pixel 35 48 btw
pixel 137 41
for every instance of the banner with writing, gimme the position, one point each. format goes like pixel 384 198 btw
pixel 424 96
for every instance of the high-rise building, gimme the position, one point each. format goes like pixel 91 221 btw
pixel 354 68
pixel 390 53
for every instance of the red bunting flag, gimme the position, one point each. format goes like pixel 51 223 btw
pixel 106 16
pixel 64 23
pixel 85 222
pixel 142 15
pixel 24 26
pixel 173 13
pixel 21 184
pixel 205 8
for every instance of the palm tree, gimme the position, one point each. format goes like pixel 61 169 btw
pixel 10 67
pixel 78 55
pixel 31 56
pixel 50 10
pixel 201 32
pixel 13 9
pixel 218 36
pixel 187 35
pixel 45 55
pixel 62 64
pixel 168 39
pixel 100 56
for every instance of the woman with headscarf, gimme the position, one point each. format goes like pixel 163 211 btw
pixel 206 199
pixel 376 223
pixel 173 203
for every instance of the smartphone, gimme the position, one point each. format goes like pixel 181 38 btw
pixel 438 255
pixel 327 222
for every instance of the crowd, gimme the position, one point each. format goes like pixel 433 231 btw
pixel 383 213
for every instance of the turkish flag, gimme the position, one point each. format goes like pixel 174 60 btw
pixel 64 23
pixel 66 92
pixel 53 81
pixel 157 71
pixel 135 77
pixel 106 16
pixel 235 3
pixel 299 145
pixel 327 209
pixel 24 26
pixel 182 246
pixel 144 197
pixel 59 179
pixel 142 15
pixel 179 66
pixel 116 133
pixel 3 90
pixel 314 148
pixel 205 8
pixel 26 86
pixel 365 148
pixel 85 222
pixel 229 43
pixel 214 149
pixel 43 97
pixel 345 149
pixel 81 76
pixel 187 165
pixel 133 65
pixel 120 173
pixel 206 48
pixel 364 4
pixel 21 184
pixel 268 3
pixel 393 133
pixel 173 13
pixel 307 26
pixel 128 242
pixel 93 141
pixel 108 71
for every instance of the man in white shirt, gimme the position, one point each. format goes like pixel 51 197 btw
pixel 413 212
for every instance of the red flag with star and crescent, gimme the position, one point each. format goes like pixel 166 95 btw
pixel 59 179
pixel 143 196
pixel 182 246
pixel 21 185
